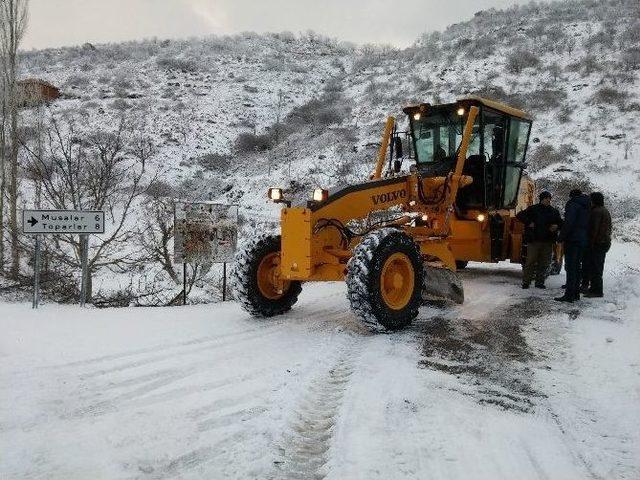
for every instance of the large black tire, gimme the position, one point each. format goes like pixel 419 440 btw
pixel 245 279
pixel 363 278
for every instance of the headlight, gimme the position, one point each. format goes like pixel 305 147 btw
pixel 275 194
pixel 320 195
pixel 460 112
pixel 480 218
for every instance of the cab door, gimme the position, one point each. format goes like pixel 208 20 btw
pixel 494 126
pixel 517 142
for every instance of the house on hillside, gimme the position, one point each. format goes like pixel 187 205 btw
pixel 33 92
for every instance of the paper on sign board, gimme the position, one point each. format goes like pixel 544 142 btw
pixel 205 232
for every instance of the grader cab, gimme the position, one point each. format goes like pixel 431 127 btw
pixel 398 238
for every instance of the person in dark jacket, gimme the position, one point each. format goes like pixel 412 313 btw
pixel 574 235
pixel 599 243
pixel 542 223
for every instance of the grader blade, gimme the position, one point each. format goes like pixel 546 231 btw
pixel 441 284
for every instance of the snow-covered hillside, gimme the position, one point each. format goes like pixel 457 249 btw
pixel 230 116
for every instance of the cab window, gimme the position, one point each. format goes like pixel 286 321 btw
pixel 518 134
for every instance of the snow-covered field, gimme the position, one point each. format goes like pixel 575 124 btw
pixel 508 385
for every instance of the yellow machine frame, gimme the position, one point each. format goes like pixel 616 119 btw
pixel 309 254
pixel 443 235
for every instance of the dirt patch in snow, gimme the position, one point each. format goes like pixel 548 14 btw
pixel 489 354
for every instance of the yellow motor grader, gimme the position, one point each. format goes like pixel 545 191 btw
pixel 398 238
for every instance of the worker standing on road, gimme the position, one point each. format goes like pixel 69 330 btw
pixel 599 244
pixel 574 235
pixel 542 222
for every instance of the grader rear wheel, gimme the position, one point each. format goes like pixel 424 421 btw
pixel 384 280
pixel 256 277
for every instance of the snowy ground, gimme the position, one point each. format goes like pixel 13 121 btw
pixel 509 385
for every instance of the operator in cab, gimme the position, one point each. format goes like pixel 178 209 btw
pixel 542 222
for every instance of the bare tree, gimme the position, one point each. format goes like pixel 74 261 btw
pixel 157 233
pixel 88 170
pixel 13 24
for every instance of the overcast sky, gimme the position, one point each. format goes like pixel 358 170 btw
pixel 71 22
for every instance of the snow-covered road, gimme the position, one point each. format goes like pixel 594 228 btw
pixel 508 385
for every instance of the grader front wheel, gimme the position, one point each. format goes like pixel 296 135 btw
pixel 258 285
pixel 384 280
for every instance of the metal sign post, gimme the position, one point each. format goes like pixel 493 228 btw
pixel 184 283
pixel 82 222
pixel 224 281
pixel 84 263
pixel 36 274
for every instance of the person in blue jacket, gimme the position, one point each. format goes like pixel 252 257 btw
pixel 575 237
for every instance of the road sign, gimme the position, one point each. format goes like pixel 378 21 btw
pixel 62 221
pixel 82 222
pixel 205 232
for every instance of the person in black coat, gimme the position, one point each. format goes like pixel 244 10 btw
pixel 574 235
pixel 599 244
pixel 542 223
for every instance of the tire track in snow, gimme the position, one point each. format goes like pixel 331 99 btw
pixel 305 445
pixel 571 443
pixel 160 358
pixel 145 395
pixel 162 347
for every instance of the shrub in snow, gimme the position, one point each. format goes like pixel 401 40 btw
pixel 275 63
pixel 213 162
pixel 298 68
pixel 104 79
pixel 632 34
pixel 123 80
pixel 420 84
pixel 623 209
pixel 631 58
pixel 544 99
pixel 171 63
pixel 320 112
pixel 338 64
pixel 120 104
pixel 599 40
pixel 251 142
pixel 564 115
pixel 91 104
pixel 520 59
pixel 610 96
pixel 78 80
pixel 371 56
pixel 480 47
pixel 544 155
pixel 160 189
pixel 334 86
pixel 587 65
